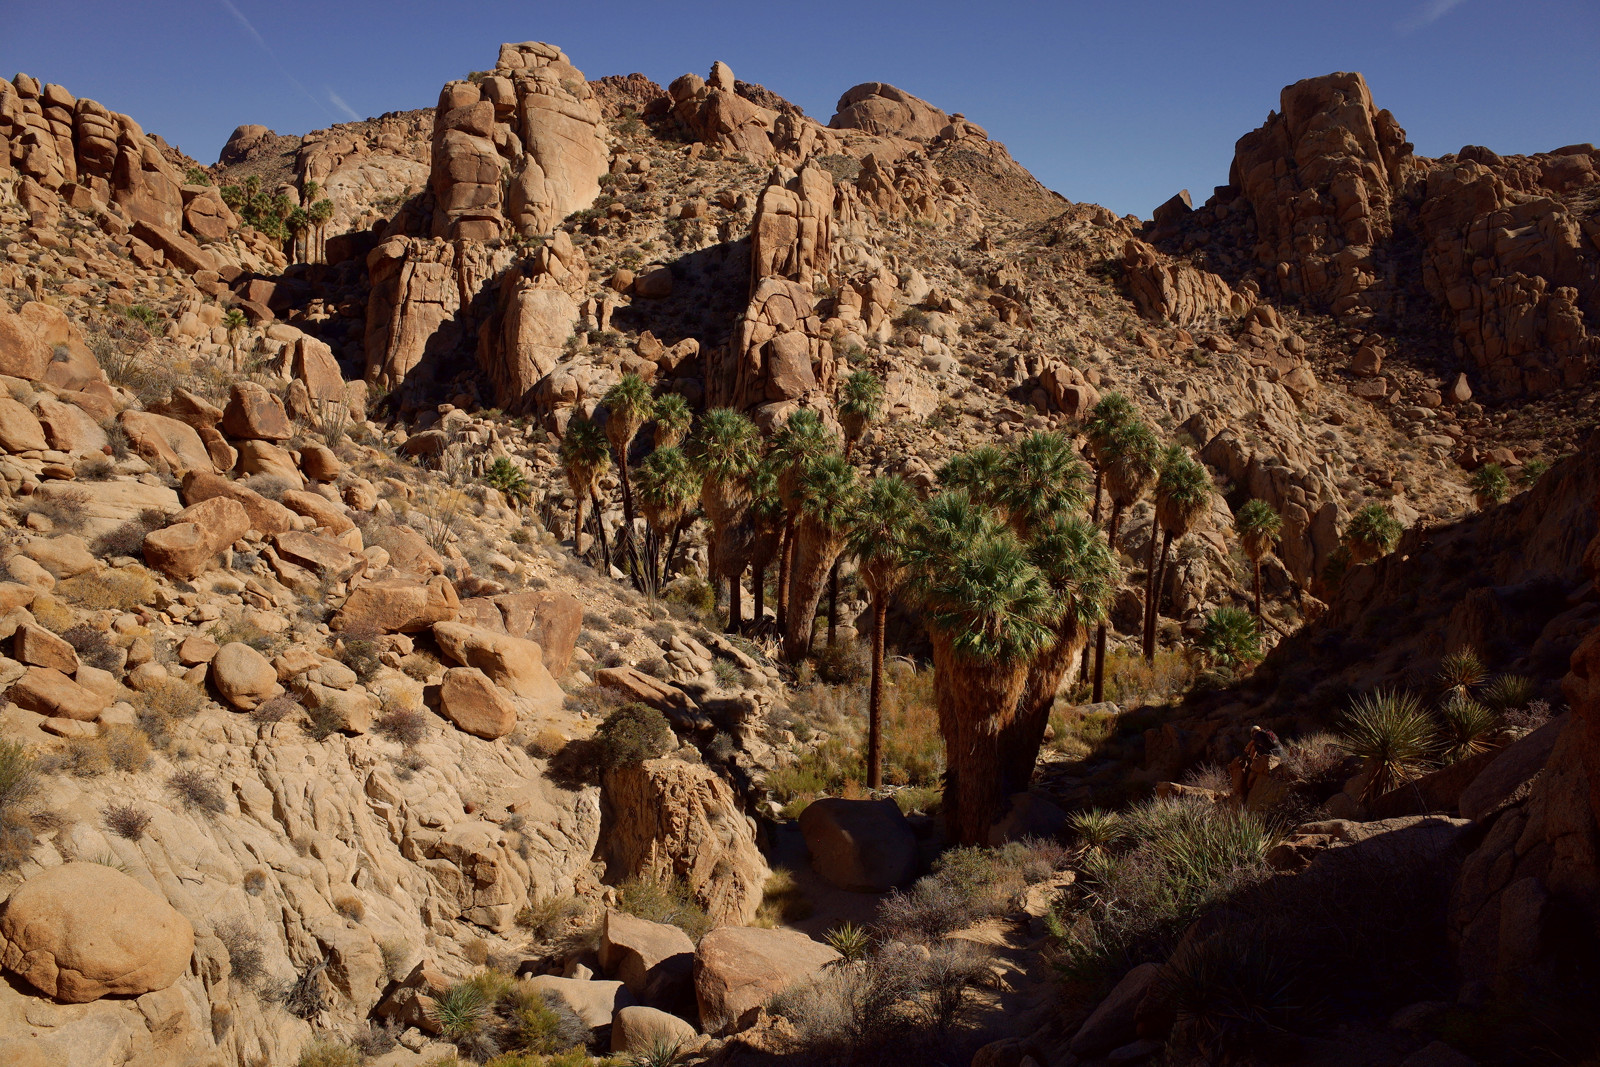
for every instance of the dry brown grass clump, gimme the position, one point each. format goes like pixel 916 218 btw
pixel 122 589
pixel 127 821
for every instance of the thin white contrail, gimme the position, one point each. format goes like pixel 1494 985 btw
pixel 1429 13
pixel 267 48
pixel 338 102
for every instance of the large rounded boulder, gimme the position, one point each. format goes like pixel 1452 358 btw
pixel 82 931
pixel 865 846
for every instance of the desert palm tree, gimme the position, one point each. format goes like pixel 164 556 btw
pixel 879 540
pixel 1129 463
pixel 234 322
pixel 667 487
pixel 1040 479
pixel 860 399
pixel 989 612
pixel 297 222
pixel 629 405
pixel 975 472
pixel 766 518
pixel 1082 572
pixel 1372 532
pixel 585 456
pixel 803 440
pixel 827 490
pixel 1110 412
pixel 1183 492
pixel 672 420
pixel 726 449
pixel 1257 525
pixel 1490 485
pixel 321 212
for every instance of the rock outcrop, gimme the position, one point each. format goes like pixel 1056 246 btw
pixel 883 110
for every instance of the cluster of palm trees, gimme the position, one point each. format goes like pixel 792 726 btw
pixel 1008 563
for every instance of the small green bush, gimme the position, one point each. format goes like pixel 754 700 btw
pixel 662 900
pixel 632 734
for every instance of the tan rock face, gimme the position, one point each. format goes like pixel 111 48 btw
pixel 49 692
pixel 778 353
pixel 1177 292
pixel 552 619
pixel 19 429
pixel 22 353
pixel 716 114
pixel 738 968
pixel 667 818
pixel 792 233
pixel 654 960
pixel 862 845
pixel 511 663
pixel 266 516
pixel 253 414
pixel 470 700
pixel 82 931
pixel 883 110
pixel 166 443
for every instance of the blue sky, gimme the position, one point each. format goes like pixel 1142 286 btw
pixel 1117 103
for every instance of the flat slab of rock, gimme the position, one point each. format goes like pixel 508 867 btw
pixel 865 846
pixel 81 931
pixel 737 968
pixel 398 606
pixel 1514 765
pixel 49 692
pixel 592 1000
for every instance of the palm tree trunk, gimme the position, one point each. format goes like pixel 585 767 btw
pixel 758 588
pixel 672 550
pixel 785 567
pixel 1099 693
pixel 600 531
pixel 627 491
pixel 815 552
pixel 978 709
pixel 1154 606
pixel 1257 565
pixel 735 603
pixel 833 603
pixel 577 524
pixel 1024 735
pixel 1099 481
pixel 880 618
pixel 1149 578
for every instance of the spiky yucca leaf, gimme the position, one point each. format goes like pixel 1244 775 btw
pixel 1460 672
pixel 1508 692
pixel 1097 828
pixel 1466 726
pixel 1389 730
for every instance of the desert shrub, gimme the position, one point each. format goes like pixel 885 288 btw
pixel 376 1039
pixel 1131 682
pixel 127 538
pixel 782 900
pixel 246 959
pixel 1235 998
pixel 1489 484
pixel 126 821
pixel 127 748
pixel 420 666
pixel 96 469
pixel 664 900
pixel 275 710
pixel 1094 828
pixel 1079 734
pixel 93 647
pixel 51 612
pixel 350 907
pixel 402 725
pixel 1530 717
pixel 1135 896
pixel 547 918
pixel 120 589
pixel 359 652
pixel 303 997
pixel 325 1052
pixel 395 955
pixel 85 757
pixel 66 509
pixel 172 698
pixel 198 791
pixel 323 721
pixel 19 777
pixel 1390 731
pixel 844 663
pixel 691 598
pixel 632 734
pixel 656 667
pixel 255 882
pixel 965 885
pixel 492 1013
pixel 544 1025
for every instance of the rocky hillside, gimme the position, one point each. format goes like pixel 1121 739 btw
pixel 330 737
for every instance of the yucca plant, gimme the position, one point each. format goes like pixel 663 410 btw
pixel 461 1012
pixel 661 1052
pixel 1372 532
pixel 504 476
pixel 1460 672
pixel 1489 485
pixel 672 420
pixel 860 400
pixel 1508 692
pixel 1390 731
pixel 1097 828
pixel 1237 997
pixel 1258 526
pixel 1465 726
pixel 1231 637
pixel 850 941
